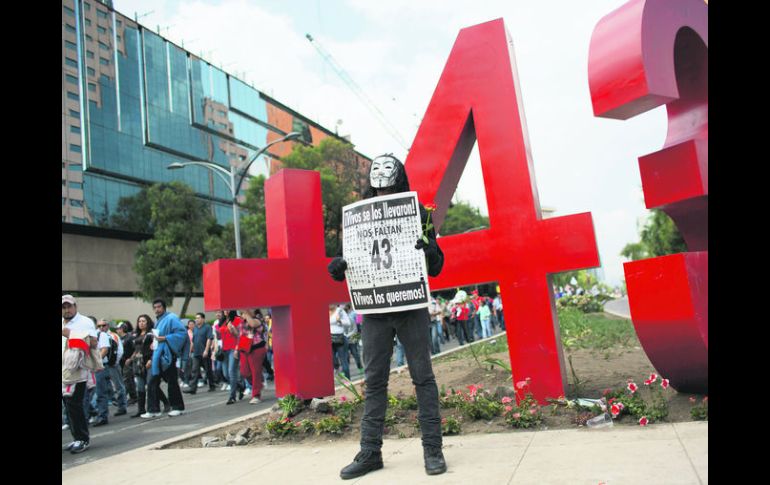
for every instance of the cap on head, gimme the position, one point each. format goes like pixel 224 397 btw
pixel 68 299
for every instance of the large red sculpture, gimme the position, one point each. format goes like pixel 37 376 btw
pixel 293 281
pixel 478 97
pixel 643 55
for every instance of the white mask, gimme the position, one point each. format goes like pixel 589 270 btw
pixel 382 173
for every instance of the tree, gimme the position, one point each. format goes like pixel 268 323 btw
pixel 659 237
pixel 174 256
pixel 133 214
pixel 461 217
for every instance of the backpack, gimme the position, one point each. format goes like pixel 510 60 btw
pixel 112 354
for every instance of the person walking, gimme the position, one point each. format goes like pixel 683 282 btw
pixel 228 329
pixel 202 342
pixel 141 361
pixel 125 332
pixel 340 323
pixel 253 348
pixel 484 315
pixel 77 332
pixel 171 337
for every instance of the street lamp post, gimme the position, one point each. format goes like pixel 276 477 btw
pixel 228 177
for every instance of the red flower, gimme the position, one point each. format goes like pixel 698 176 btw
pixel 653 377
pixel 632 387
pixel 606 391
pixel 647 382
pixel 612 399
pixel 615 410
pixel 692 399
pixel 643 421
pixel 521 385
pixel 706 399
pixel 506 400
pixel 343 399
pixel 664 383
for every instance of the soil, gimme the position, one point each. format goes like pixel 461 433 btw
pixel 596 370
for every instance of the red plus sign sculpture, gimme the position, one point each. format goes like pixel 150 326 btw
pixel 293 281
pixel 643 55
pixel 478 97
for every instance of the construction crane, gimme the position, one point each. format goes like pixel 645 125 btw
pixel 389 127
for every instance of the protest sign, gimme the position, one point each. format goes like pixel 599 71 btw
pixel 385 272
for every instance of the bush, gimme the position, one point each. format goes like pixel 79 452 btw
pixel 527 413
pixel 331 425
pixel 281 427
pixel 476 404
pixel 450 426
pixel 629 400
pixel 700 412
pixel 290 405
pixel 586 303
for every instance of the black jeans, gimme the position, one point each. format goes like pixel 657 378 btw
pixel 197 362
pixel 377 337
pixel 76 413
pixel 174 393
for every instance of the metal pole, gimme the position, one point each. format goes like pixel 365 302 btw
pixel 235 215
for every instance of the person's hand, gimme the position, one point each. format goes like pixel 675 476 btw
pixel 430 248
pixel 337 268
pixel 205 353
pixel 148 365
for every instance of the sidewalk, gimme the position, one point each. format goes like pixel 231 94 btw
pixel 668 453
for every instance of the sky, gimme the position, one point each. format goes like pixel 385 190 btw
pixel 395 51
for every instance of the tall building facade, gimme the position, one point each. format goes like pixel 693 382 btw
pixel 134 102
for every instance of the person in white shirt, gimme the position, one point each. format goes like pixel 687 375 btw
pixel 340 325
pixel 111 377
pixel 77 329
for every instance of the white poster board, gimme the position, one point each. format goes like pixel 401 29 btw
pixel 385 272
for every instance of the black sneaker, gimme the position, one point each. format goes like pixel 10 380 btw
pixel 230 401
pixel 434 460
pixel 101 422
pixel 79 447
pixel 121 412
pixel 365 461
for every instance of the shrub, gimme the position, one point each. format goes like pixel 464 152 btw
pixel 290 405
pixel 700 412
pixel 331 425
pixel 281 427
pixel 629 400
pixel 450 426
pixel 527 413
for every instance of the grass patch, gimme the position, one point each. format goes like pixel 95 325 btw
pixel 594 330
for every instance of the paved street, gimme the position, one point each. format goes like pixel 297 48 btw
pixel 202 410
pixel 618 307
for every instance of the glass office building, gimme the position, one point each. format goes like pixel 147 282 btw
pixel 134 102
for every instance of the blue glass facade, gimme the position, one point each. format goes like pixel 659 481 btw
pixel 142 103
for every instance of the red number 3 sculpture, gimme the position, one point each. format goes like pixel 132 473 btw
pixel 643 55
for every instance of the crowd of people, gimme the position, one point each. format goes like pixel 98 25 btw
pixel 123 364
pixel 465 317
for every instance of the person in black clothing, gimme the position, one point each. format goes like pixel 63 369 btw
pixel 125 330
pixel 140 362
pixel 388 176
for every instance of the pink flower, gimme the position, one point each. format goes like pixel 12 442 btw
pixel 632 387
pixel 516 415
pixel 473 390
pixel 643 421
pixel 647 382
pixel 622 407
pixel 706 399
pixel 508 409
pixel 443 421
pixel 521 385
pixel 343 399
pixel 664 383
pixel 506 400
pixel 653 377
pixel 615 410
pixel 532 411
pixel 692 399
pixel 606 391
